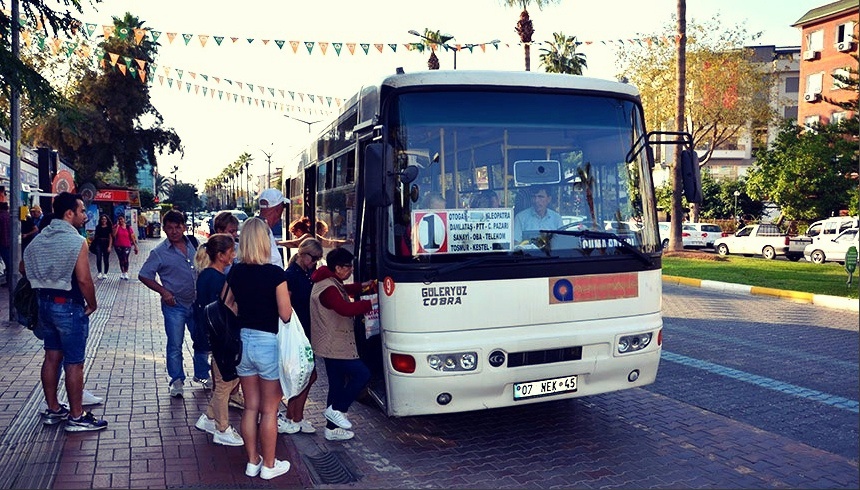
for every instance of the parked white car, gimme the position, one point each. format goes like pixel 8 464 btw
pixel 709 231
pixel 832 250
pixel 691 237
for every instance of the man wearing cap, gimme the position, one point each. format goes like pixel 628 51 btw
pixel 272 204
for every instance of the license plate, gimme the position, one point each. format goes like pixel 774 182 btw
pixel 546 387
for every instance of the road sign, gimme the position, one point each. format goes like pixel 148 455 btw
pixel 851 262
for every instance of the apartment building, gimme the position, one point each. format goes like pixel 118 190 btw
pixel 829 36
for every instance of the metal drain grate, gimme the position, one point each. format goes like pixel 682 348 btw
pixel 330 468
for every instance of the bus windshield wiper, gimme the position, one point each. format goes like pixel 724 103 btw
pixel 645 258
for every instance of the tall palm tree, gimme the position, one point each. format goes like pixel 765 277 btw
pixel 433 40
pixel 524 26
pixel 561 56
pixel 163 186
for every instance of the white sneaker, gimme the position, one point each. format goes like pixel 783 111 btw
pixel 253 469
pixel 336 417
pixel 206 424
pixel 306 427
pixel 287 426
pixel 338 434
pixel 90 399
pixel 279 469
pixel 101 276
pixel 228 438
pixel 177 388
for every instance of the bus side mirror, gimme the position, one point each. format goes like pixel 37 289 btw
pixel 692 176
pixel 375 188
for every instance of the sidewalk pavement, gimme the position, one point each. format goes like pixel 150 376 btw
pixel 151 441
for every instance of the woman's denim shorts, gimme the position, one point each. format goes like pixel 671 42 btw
pixel 259 354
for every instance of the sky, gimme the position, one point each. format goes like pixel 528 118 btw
pixel 215 132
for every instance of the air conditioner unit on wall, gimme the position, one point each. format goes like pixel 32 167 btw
pixel 809 55
pixel 843 47
pixel 811 97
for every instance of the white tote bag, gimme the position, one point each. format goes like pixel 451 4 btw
pixel 296 357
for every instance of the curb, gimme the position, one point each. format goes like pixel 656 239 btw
pixel 836 302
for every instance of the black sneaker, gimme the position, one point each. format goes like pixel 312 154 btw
pixel 50 417
pixel 87 422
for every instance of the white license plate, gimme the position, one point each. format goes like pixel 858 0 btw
pixel 553 386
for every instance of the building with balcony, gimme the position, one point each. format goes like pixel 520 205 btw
pixel 829 36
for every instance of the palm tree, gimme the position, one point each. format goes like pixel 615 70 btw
pixel 561 57
pixel 433 40
pixel 163 186
pixel 524 26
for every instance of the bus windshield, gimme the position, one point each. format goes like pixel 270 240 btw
pixel 524 173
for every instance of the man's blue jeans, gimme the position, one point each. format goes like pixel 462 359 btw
pixel 175 320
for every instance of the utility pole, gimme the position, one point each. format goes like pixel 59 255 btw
pixel 309 123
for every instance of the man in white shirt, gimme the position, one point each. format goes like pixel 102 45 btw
pixel 537 217
pixel 272 203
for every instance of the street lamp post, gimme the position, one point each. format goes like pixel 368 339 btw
pixel 737 193
pixel 269 167
pixel 309 123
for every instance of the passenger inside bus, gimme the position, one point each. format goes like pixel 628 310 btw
pixel 538 217
pixel 487 198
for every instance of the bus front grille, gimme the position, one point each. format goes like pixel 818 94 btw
pixel 531 358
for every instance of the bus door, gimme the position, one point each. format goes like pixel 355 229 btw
pixel 366 251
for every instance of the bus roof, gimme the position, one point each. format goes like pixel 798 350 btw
pixel 507 79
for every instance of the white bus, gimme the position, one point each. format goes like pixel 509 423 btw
pixel 438 182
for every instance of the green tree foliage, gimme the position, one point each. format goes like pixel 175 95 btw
pixel 809 174
pixel 147 199
pixel 719 199
pixel 184 196
pixel 105 127
pixel 37 94
pixel 525 29
pixel 726 89
pixel 561 56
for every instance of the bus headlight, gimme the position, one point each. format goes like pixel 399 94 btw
pixel 633 343
pixel 453 361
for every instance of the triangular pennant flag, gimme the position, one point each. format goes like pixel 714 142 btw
pixel 193 75
pixel 337 47
pixel 282 92
pixel 218 39
pixel 178 85
pixel 250 87
pixel 113 58
pixel 123 33
pixel 311 97
pixel 196 88
pixel 205 89
pixel 25 34
pixel 170 82
pixel 127 60
pixel 234 39
pixel 265 42
pixel 328 99
pixel 205 77
pixel 250 40
pixel 161 79
pixel 292 95
pixel 138 35
pixel 310 46
pixel 70 48
pixel 220 94
pixel 236 97
pixel 239 84
pixel 155 35
pixel 133 71
pixel 140 63
pixel 90 29
pixel 203 38
pixel 121 68
pixel 272 91
pixel 280 43
pixel 393 48
pixel 142 75
pixel 167 70
pixel 351 47
pixel 323 47
pixel 187 38
pixel 228 81
pixel 379 47
pixel 365 47
pixel 294 45
pixel 180 72
pixel 261 90
pixel 170 37
pixel 301 96
pixel 108 31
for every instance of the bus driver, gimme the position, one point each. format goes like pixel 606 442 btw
pixel 537 217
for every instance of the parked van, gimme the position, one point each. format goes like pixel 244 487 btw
pixel 826 228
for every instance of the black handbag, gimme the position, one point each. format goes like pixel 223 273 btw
pixel 222 325
pixel 27 306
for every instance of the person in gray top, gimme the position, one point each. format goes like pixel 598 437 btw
pixel 172 261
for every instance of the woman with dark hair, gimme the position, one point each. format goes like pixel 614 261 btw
pixel 212 260
pixel 103 240
pixel 124 239
pixel 333 339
